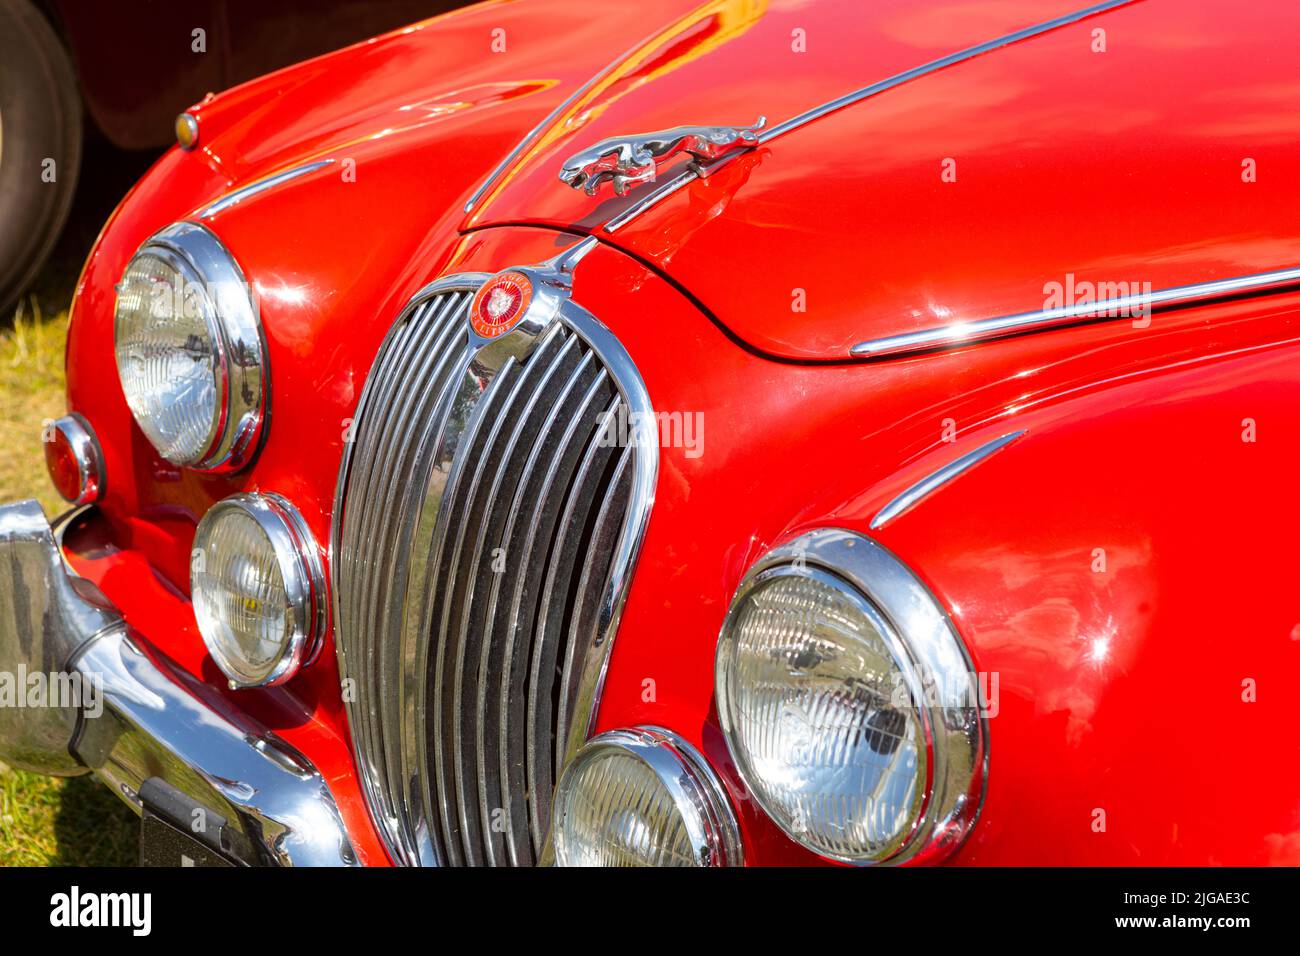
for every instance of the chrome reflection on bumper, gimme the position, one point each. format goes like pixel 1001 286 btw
pixel 45 616
pixel 140 717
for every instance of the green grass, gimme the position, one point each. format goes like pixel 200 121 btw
pixel 46 821
pixel 31 391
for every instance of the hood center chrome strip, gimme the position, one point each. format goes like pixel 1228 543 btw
pixel 695 172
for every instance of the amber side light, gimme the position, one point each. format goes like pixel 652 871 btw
pixel 74 460
pixel 187 131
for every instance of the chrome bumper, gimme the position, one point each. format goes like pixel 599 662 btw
pixel 104 702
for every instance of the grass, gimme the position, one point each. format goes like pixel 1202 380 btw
pixel 76 821
pixel 31 392
pixel 47 821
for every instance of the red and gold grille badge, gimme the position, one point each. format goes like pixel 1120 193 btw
pixel 499 304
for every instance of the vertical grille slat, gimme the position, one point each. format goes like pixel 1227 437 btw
pixel 384 386
pixel 496 646
pixel 522 421
pixel 583 621
pixel 476 639
pixel 408 474
pixel 548 655
pixel 372 466
pixel 455 516
pixel 412 662
pixel 386 507
pixel 522 613
pixel 471 452
pixel 458 583
pixel 479 512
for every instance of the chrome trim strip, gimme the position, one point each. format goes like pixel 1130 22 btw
pixel 941 678
pixel 935 65
pixel 261 186
pixel 645 476
pixel 963 333
pixel 932 482
pixel 693 172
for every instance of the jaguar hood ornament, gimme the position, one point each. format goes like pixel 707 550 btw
pixel 630 160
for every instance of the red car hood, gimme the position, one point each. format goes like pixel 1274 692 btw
pixel 1153 143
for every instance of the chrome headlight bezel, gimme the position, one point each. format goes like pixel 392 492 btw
pixel 301 568
pixel 934 662
pixel 230 313
pixel 698 796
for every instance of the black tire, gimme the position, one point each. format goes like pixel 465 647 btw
pixel 40 120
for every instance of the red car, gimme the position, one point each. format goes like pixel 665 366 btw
pixel 745 432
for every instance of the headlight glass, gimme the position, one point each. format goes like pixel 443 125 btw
pixel 821 715
pixel 849 703
pixel 167 356
pixel 188 345
pixel 257 589
pixel 641 797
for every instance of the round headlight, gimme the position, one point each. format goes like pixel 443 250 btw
pixel 258 589
pixel 849 704
pixel 188 343
pixel 641 797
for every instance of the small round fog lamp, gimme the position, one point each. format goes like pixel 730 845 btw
pixel 258 589
pixel 642 797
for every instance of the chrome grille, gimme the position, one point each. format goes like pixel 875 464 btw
pixel 484 532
